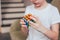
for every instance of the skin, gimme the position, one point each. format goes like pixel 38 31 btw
pixel 54 30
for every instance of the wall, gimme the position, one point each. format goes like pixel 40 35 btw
pixel 11 11
pixel 0 12
pixel 0 16
pixel 56 3
pixel 27 2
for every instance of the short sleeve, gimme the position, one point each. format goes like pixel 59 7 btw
pixel 55 16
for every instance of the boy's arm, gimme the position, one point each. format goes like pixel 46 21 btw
pixel 53 33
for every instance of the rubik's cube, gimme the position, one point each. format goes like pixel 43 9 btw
pixel 27 18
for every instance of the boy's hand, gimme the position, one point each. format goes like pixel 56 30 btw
pixel 35 25
pixel 24 28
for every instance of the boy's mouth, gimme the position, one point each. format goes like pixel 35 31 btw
pixel 37 4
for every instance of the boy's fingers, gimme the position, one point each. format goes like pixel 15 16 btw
pixel 24 26
pixel 37 19
pixel 22 23
pixel 33 19
pixel 31 23
pixel 24 29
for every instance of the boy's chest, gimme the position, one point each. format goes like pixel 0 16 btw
pixel 44 17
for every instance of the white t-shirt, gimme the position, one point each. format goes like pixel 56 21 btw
pixel 47 16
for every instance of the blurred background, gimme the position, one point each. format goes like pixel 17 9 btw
pixel 11 10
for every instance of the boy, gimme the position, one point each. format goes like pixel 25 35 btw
pixel 47 18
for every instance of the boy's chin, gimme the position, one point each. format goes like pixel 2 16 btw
pixel 37 6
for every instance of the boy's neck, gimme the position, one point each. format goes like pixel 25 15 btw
pixel 43 5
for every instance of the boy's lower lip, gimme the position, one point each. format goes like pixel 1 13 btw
pixel 36 3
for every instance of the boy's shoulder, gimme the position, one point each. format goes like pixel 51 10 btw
pixel 53 7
